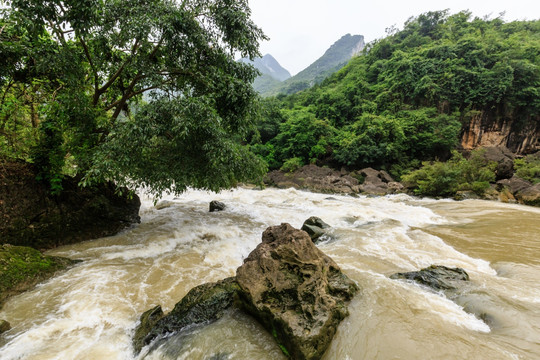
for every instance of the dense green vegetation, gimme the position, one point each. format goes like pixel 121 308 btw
pixel 407 97
pixel 456 174
pixel 528 168
pixel 144 93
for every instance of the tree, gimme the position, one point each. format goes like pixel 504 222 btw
pixel 141 92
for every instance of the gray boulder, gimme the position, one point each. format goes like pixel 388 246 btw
pixel 514 184
pixel 504 159
pixel 530 195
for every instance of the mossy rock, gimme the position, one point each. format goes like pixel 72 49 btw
pixel 202 304
pixel 22 267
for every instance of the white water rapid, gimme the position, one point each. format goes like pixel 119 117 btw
pixel 91 310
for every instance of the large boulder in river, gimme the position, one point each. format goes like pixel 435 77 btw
pixel 298 293
pixel 378 182
pixel 437 277
pixel 31 216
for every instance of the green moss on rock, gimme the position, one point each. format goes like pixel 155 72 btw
pixel 22 267
pixel 202 304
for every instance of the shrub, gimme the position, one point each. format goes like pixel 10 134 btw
pixel 292 165
pixel 528 168
pixel 457 174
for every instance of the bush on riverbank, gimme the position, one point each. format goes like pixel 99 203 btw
pixel 457 174
pixel 528 168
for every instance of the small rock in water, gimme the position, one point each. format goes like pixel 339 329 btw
pixel 217 206
pixel 315 227
pixel 163 204
pixel 437 277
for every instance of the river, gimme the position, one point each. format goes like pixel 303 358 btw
pixel 91 310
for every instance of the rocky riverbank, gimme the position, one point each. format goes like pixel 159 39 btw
pixel 509 187
pixel 31 216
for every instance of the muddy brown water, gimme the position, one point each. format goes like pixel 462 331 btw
pixel 91 310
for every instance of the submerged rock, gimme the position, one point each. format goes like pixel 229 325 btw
pixel 217 206
pixel 437 277
pixel 164 204
pixel 315 227
pixel 202 304
pixel 4 326
pixel 297 292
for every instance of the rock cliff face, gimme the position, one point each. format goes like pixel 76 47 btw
pixel 30 216
pixel 492 129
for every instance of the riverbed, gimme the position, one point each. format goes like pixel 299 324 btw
pixel 91 310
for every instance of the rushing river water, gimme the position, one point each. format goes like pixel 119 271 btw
pixel 91 310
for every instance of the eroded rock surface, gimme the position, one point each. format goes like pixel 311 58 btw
pixel 297 292
pixel 31 216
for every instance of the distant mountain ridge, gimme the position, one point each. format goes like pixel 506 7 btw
pixel 267 65
pixel 275 79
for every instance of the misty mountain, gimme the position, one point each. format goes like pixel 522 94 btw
pixel 337 56
pixel 269 67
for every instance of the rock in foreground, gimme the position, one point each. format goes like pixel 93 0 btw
pixel 437 277
pixel 297 292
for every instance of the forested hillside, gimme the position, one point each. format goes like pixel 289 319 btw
pixel 410 96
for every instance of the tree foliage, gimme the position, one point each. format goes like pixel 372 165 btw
pixel 145 93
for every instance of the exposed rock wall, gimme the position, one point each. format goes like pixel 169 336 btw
pixel 30 216
pixel 492 129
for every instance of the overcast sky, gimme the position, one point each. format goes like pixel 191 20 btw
pixel 300 31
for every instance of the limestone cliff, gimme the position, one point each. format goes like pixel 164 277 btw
pixel 487 128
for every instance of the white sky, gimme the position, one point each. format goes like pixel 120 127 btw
pixel 300 31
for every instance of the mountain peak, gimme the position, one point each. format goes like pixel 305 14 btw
pixel 268 65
